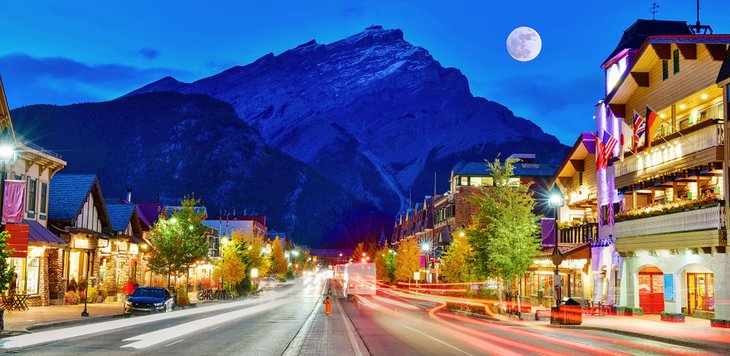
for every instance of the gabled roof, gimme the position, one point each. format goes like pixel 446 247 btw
pixel 724 76
pixel 121 215
pixel 148 213
pixel 636 34
pixel 579 151
pixel 68 193
pixel 522 169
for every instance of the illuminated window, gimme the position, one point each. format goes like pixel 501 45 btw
pixel 675 60
pixel 476 181
pixel 513 182
pixel 464 181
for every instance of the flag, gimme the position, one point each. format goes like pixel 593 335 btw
pixel 599 154
pixel 608 145
pixel 639 129
pixel 651 116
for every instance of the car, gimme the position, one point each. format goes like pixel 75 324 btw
pixel 146 300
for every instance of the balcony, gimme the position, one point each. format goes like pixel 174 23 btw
pixel 697 145
pixel 693 227
pixel 578 234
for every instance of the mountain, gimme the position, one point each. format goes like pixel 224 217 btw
pixel 372 112
pixel 176 144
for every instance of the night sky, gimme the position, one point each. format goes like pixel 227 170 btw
pixel 66 52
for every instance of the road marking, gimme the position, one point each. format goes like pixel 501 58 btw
pixel 435 339
pixel 215 327
pixel 353 342
pixel 173 343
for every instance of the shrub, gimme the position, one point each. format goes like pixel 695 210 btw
pixel 103 293
pixel 289 274
pixel 93 294
pixel 72 298
pixel 183 299
pixel 282 279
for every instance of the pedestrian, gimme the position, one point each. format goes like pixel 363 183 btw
pixel 328 305
pixel 129 287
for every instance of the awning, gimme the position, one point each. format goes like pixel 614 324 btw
pixel 18 241
pixel 39 234
pixel 569 251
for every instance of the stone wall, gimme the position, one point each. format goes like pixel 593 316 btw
pixel 56 283
pixel 43 279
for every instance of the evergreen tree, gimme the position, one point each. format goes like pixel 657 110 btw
pixel 7 271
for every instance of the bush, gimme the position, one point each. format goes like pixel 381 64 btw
pixel 289 274
pixel 93 294
pixel 182 299
pixel 72 298
pixel 282 279
pixel 103 293
pixel 244 287
pixel 483 293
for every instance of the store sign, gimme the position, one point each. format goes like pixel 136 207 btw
pixel 83 243
pixel 668 288
pixel 18 241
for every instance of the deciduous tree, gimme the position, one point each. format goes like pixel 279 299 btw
pixel 278 260
pixel 385 264
pixel 408 259
pixel 458 262
pixel 7 271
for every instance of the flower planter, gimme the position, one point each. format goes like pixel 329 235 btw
pixel 719 323
pixel 673 317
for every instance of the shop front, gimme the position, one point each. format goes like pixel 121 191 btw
pixel 80 261
pixel 538 285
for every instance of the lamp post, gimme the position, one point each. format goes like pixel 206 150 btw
pixel 86 293
pixel 7 155
pixel 556 201
pixel 426 248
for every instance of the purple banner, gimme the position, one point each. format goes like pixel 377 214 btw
pixel 589 140
pixel 422 261
pixel 548 232
pixel 13 201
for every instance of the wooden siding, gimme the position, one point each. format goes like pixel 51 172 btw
pixel 690 239
pixel 688 161
pixel 89 217
pixel 694 75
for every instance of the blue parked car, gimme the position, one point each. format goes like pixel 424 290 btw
pixel 149 300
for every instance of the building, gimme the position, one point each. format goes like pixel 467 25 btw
pixel 77 213
pixel 575 180
pixel 247 224
pixel 120 258
pixel 661 199
pixel 37 256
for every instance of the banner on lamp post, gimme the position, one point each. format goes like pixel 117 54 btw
pixel 13 201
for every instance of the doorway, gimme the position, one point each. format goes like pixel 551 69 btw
pixel 651 290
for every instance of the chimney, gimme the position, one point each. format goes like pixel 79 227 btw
pixel 129 195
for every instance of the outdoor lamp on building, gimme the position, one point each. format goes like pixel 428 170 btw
pixel 556 201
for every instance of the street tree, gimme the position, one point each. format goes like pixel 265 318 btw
pixel 179 240
pixel 408 259
pixel 503 235
pixel 385 264
pixel 7 271
pixel 457 263
pixel 278 259
pixel 230 268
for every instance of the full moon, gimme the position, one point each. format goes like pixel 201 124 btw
pixel 524 44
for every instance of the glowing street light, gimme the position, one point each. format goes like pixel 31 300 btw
pixel 254 272
pixel 425 247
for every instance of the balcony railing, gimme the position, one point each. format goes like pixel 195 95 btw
pixel 705 135
pixel 579 234
pixel 699 218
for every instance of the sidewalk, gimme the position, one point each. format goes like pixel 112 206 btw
pixel 327 335
pixel 37 317
pixel 693 332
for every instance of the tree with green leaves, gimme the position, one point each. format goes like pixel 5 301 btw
pixel 408 259
pixel 503 236
pixel 278 259
pixel 179 240
pixel 385 264
pixel 457 263
pixel 7 271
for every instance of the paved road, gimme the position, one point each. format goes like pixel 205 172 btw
pixel 390 324
pixel 263 325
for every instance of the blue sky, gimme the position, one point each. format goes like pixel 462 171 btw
pixel 66 52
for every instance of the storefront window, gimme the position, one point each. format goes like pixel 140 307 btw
pixel 701 291
pixel 33 275
pixel 19 280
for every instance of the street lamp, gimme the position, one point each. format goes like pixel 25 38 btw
pixel 86 293
pixel 556 201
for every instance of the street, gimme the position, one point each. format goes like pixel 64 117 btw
pixel 391 322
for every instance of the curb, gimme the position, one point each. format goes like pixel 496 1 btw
pixel 54 324
pixel 685 343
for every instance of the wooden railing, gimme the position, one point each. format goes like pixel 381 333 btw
pixel 701 218
pixel 580 234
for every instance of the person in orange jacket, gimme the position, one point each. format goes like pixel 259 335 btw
pixel 328 305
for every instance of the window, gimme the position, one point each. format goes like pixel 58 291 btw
pixel 476 181
pixel 44 197
pixel 33 275
pixel 513 182
pixel 30 204
pixel 675 60
pixel 665 69
pixel 464 181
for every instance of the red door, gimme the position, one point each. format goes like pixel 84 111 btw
pixel 651 290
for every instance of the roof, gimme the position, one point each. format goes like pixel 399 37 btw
pixel 522 169
pixel 148 213
pixel 636 34
pixel 119 215
pixel 566 250
pixel 39 234
pixel 578 151
pixel 724 76
pixel 261 219
pixel 68 194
